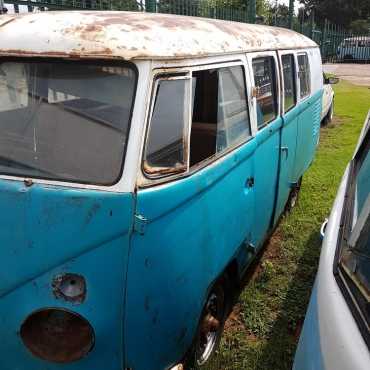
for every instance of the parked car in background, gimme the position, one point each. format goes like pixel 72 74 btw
pixel 327 111
pixel 143 163
pixel 336 332
pixel 354 48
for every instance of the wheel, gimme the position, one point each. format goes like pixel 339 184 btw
pixel 348 58
pixel 210 326
pixel 330 114
pixel 293 197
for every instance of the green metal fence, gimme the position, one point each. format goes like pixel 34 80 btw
pixel 202 9
pixel 340 45
pixel 75 4
pixel 198 8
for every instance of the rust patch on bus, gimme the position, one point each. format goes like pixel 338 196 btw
pixel 130 35
pixel 69 287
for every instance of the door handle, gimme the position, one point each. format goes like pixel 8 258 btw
pixel 250 182
pixel 286 150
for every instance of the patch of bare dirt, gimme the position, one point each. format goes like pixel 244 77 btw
pixel 234 322
pixel 270 251
pixel 336 121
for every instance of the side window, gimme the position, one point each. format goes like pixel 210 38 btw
pixel 220 112
pixel 304 75
pixel 289 81
pixel 166 141
pixel 265 82
pixel 355 253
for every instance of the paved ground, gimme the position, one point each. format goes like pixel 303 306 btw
pixel 358 74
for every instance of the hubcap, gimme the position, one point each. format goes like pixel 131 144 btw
pixel 210 327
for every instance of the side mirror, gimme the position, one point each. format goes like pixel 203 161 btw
pixel 323 228
pixel 331 80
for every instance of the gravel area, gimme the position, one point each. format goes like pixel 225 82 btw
pixel 358 74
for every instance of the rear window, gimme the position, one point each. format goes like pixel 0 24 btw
pixel 65 121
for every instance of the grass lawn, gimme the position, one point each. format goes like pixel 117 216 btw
pixel 262 331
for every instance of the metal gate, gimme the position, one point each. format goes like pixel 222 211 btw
pixel 42 5
pixel 339 45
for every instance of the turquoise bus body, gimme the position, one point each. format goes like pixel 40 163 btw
pixel 148 257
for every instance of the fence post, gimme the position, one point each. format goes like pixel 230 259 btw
pixel 291 12
pixel 251 6
pixel 323 40
pixel 312 24
pixel 150 6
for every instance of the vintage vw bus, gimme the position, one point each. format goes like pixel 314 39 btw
pixel 144 160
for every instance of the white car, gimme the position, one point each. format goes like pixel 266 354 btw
pixel 327 111
pixel 336 333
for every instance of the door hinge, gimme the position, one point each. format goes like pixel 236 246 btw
pixel 140 224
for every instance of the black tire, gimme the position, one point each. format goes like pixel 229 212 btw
pixel 293 197
pixel 348 58
pixel 211 326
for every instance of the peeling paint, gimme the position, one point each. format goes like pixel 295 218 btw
pixel 133 35
pixel 69 287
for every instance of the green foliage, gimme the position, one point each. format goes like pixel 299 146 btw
pixel 360 26
pixel 341 12
pixel 277 15
pixel 125 5
pixel 233 4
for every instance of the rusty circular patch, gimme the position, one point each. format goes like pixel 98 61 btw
pixel 57 335
pixel 70 287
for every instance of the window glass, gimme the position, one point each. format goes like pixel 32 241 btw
pixel 355 256
pixel 265 83
pixel 65 121
pixel 220 112
pixel 362 189
pixel 289 81
pixel 304 75
pixel 166 138
pixel 350 43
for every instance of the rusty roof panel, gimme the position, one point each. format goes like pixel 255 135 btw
pixel 130 35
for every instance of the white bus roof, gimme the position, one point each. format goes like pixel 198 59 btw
pixel 134 35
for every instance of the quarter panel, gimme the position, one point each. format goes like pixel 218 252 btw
pixel 287 159
pixel 308 133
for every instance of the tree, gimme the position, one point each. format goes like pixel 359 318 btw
pixel 341 12
pixel 360 26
